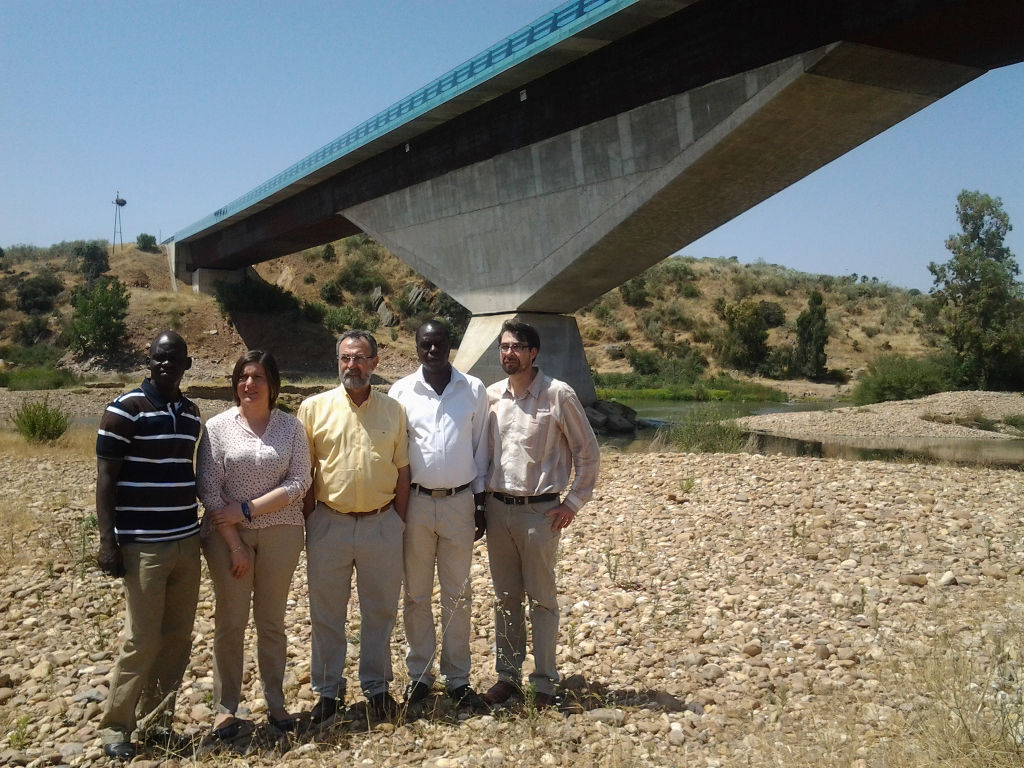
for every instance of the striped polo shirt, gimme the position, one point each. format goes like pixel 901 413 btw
pixel 155 441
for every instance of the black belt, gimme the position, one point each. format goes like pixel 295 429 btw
pixel 521 500
pixel 439 493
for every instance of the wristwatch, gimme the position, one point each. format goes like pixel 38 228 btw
pixel 246 511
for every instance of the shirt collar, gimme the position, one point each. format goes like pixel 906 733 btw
pixel 149 390
pixel 531 390
pixel 456 379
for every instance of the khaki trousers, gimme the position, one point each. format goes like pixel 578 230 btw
pixel 161 586
pixel 275 553
pixel 336 545
pixel 522 550
pixel 438 531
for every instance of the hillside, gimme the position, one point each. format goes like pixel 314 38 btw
pixel 321 290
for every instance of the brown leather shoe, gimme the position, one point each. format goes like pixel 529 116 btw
pixel 501 692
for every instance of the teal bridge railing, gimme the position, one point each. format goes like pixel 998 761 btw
pixel 550 29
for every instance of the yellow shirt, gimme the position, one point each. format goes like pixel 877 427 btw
pixel 356 452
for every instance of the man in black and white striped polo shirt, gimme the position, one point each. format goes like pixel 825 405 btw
pixel 148 526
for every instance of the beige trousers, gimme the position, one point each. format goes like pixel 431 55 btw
pixel 522 550
pixel 337 544
pixel 438 531
pixel 275 553
pixel 161 586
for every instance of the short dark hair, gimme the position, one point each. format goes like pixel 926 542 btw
pixel 440 325
pixel 525 332
pixel 270 368
pixel 357 333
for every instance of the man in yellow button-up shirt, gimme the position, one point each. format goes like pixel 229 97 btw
pixel 359 449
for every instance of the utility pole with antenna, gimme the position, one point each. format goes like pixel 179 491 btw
pixel 119 203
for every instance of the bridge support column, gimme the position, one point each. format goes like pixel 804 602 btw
pixel 561 349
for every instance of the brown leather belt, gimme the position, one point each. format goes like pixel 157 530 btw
pixel 370 512
pixel 439 493
pixel 522 500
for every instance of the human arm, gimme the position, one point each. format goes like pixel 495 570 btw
pixel 108 556
pixel 288 438
pixel 241 558
pixel 481 461
pixel 586 458
pixel 402 491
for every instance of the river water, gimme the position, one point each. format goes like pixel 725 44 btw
pixel 1000 453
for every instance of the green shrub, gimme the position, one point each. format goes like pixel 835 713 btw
pixel 254 296
pixel 897 377
pixel 328 254
pixel 98 324
pixel 40 422
pixel 91 257
pixel 146 243
pixel 36 378
pixel 31 330
pixel 634 292
pixel 704 433
pixel 772 313
pixel 1015 420
pixel 38 294
pixel 37 355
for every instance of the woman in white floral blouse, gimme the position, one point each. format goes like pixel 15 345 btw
pixel 253 472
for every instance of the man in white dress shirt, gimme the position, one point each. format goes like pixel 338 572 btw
pixel 447 420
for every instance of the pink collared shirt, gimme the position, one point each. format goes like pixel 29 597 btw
pixel 538 439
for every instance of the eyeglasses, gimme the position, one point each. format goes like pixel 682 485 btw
pixel 513 347
pixel 357 359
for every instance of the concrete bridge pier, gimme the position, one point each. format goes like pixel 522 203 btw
pixel 561 349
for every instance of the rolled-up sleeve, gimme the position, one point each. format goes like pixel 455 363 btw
pixel 586 454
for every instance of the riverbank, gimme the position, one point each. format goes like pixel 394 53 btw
pixel 717 610
pixel 939 416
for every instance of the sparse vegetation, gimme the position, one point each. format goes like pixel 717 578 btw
pixel 703 433
pixel 39 422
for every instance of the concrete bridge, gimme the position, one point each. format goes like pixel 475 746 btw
pixel 598 140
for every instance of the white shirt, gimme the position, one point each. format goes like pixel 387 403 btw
pixel 447 432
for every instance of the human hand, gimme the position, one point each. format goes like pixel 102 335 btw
pixel 241 560
pixel 110 560
pixel 560 517
pixel 480 520
pixel 229 515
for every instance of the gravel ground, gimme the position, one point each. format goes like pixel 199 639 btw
pixel 714 607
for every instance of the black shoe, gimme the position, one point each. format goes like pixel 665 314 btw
pixel 228 731
pixel 382 706
pixel 417 692
pixel 465 697
pixel 123 751
pixel 544 701
pixel 284 724
pixel 325 709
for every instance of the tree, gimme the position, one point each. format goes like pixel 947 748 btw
pixel 745 341
pixel 146 242
pixel 98 325
pixel 327 254
pixel 811 337
pixel 92 258
pixel 37 294
pixel 980 303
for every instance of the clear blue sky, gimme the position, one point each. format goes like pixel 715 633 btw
pixel 182 107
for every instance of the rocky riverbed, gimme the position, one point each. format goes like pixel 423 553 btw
pixel 717 610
